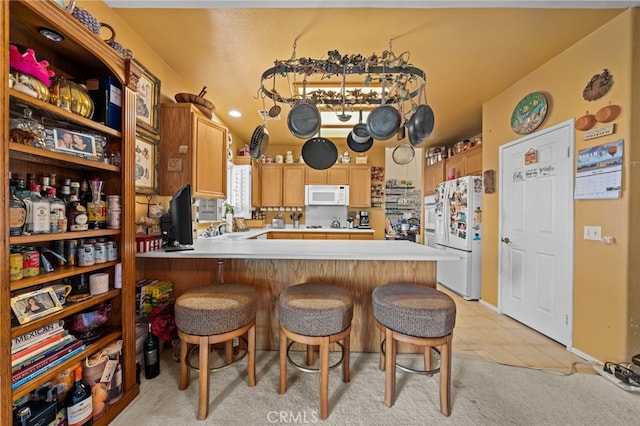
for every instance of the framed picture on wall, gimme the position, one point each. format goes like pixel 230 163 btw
pixel 147 100
pixel 147 163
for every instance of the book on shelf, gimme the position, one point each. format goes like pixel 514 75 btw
pixel 42 352
pixel 28 339
pixel 36 346
pixel 29 373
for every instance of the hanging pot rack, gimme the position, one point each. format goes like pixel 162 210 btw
pixel 409 81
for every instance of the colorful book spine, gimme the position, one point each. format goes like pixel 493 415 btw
pixel 33 348
pixel 17 365
pixel 21 342
pixel 36 352
pixel 48 364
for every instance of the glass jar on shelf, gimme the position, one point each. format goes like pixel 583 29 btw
pixel 26 130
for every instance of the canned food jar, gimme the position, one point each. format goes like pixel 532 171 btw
pixel 114 211
pixel 15 265
pixel 30 262
pixel 112 251
pixel 100 252
pixel 86 255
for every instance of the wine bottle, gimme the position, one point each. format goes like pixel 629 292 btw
pixel 79 402
pixel 151 356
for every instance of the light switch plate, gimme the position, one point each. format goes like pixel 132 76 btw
pixel 593 233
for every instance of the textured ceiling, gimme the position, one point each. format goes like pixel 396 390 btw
pixel 468 55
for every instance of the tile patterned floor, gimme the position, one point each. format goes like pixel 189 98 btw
pixel 483 333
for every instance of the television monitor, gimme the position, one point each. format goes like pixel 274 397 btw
pixel 177 224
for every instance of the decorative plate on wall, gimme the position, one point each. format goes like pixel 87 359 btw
pixel 529 113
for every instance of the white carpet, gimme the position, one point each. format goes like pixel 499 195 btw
pixel 483 393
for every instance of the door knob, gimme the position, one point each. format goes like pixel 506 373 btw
pixel 506 240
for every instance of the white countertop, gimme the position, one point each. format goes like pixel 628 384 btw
pixel 239 247
pixel 254 232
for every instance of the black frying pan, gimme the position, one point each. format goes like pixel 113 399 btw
pixel 424 121
pixel 319 153
pixel 359 146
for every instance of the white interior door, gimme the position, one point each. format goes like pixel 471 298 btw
pixel 536 231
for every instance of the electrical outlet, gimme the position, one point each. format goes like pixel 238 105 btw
pixel 593 233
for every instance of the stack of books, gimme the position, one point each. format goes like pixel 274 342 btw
pixel 40 350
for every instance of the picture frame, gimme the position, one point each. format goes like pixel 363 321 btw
pixel 75 143
pixel 147 100
pixel 147 159
pixel 45 300
pixel 241 224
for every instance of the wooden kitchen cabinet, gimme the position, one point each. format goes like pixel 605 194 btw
pixel 194 150
pixel 466 163
pixel 359 185
pixel 433 175
pixel 293 185
pixel 473 161
pixel 337 174
pixel 271 179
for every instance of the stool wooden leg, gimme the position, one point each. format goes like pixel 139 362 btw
pixel 390 369
pixel 251 348
pixel 283 362
pixel 445 376
pixel 228 351
pixel 324 378
pixel 381 361
pixel 184 370
pixel 428 358
pixel 203 392
pixel 346 369
pixel 310 355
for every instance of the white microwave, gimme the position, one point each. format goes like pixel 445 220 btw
pixel 326 195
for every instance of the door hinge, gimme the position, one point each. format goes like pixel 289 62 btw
pixel 568 151
pixel 566 319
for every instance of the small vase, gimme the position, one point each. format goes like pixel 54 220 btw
pixel 175 344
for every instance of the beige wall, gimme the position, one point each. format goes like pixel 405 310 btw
pixel 602 284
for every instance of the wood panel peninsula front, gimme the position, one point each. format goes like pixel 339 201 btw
pixel 271 266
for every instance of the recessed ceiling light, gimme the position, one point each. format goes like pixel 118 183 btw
pixel 235 113
pixel 51 35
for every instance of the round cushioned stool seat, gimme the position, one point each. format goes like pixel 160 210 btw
pixel 414 309
pixel 215 309
pixel 316 309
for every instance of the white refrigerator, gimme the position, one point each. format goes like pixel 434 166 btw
pixel 459 231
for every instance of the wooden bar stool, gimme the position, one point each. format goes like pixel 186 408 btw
pixel 422 316
pixel 215 314
pixel 316 314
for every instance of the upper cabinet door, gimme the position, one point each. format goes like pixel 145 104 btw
pixel 359 186
pixel 192 150
pixel 338 174
pixel 209 158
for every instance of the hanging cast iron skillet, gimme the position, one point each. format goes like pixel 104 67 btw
pixel 420 124
pixel 403 154
pixel 319 153
pixel 304 120
pixel 384 121
pixel 259 141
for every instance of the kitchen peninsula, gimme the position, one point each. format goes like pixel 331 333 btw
pixel 270 266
